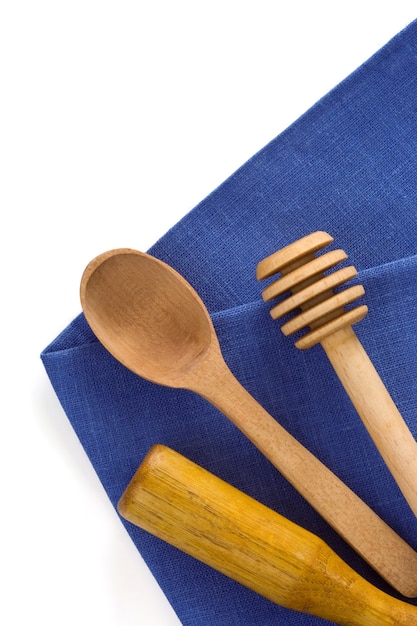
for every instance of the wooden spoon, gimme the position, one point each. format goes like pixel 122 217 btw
pixel 151 320
pixel 190 508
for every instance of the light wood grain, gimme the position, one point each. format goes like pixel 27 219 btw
pixel 183 504
pixel 323 312
pixel 153 322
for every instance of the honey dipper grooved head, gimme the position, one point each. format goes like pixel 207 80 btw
pixel 308 292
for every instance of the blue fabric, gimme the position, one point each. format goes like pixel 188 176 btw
pixel 348 166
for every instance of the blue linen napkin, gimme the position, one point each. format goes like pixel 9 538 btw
pixel 348 166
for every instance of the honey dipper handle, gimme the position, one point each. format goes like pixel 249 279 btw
pixel 376 409
pixel 190 508
pixel 348 515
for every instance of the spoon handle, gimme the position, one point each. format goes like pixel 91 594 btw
pixel 190 508
pixel 346 513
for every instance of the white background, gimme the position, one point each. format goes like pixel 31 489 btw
pixel 116 118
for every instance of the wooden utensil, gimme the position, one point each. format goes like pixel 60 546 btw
pixel 190 508
pixel 324 312
pixel 151 320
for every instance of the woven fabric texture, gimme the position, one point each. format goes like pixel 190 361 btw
pixel 349 167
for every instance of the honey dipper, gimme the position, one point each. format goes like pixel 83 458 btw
pixel 185 505
pixel 323 310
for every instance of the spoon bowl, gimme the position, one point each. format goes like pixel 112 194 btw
pixel 146 315
pixel 152 321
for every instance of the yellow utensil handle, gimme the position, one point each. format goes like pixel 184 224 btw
pixel 190 508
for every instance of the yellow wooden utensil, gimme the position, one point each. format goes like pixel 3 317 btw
pixel 323 311
pixel 190 508
pixel 151 319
